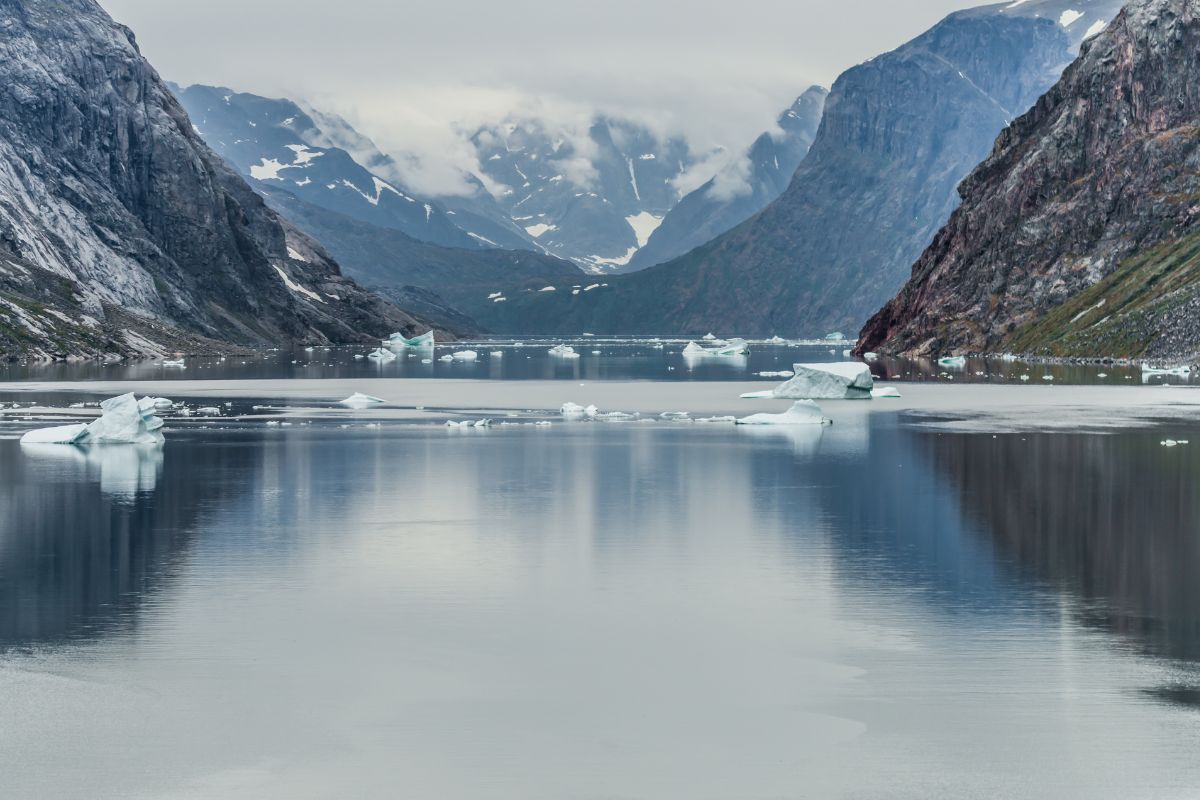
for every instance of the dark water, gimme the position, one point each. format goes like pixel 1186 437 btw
pixel 599 359
pixel 594 611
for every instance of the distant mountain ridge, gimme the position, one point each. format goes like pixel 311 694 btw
pixel 741 189
pixel 898 134
pixel 121 231
pixel 1080 234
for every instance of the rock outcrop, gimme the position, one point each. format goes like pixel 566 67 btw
pixel 1079 234
pixel 120 230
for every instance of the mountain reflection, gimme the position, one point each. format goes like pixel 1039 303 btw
pixel 1113 519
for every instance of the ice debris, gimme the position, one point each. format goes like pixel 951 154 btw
pixel 734 347
pixel 563 351
pixel 849 380
pixel 360 400
pixel 890 392
pixel 802 412
pixel 1178 372
pixel 123 420
pixel 465 355
pixel 417 342
pixel 953 362
pixel 174 362
pixel 576 411
pixel 379 354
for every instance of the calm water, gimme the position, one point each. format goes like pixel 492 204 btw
pixel 599 359
pixel 597 611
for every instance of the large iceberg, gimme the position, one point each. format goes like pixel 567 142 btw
pixel 734 347
pixel 123 420
pixel 417 342
pixel 360 400
pixel 850 380
pixel 802 412
pixel 563 351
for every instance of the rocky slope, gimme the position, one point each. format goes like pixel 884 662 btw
pixel 898 134
pixel 741 189
pixel 1078 235
pixel 120 230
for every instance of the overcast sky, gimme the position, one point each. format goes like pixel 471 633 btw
pixel 716 71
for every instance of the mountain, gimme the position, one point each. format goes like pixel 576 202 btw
pixel 275 143
pixel 1080 234
pixel 594 196
pixel 450 286
pixel 120 230
pixel 898 134
pixel 741 189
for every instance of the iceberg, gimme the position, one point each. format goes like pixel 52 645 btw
pixel 417 342
pixel 953 362
pixel 734 347
pixel 379 354
pixel 563 351
pixel 1179 372
pixel 776 340
pixel 850 380
pixel 446 359
pixel 174 362
pixel 886 392
pixel 576 411
pixel 465 355
pixel 123 420
pixel 802 412
pixel 710 337
pixel 360 400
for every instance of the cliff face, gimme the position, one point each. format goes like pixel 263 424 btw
pixel 899 133
pixel 152 239
pixel 1077 236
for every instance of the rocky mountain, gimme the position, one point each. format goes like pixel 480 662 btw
pixel 593 196
pixel 120 230
pixel 898 134
pixel 275 143
pixel 1080 234
pixel 740 190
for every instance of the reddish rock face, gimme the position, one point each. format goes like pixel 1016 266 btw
pixel 1105 167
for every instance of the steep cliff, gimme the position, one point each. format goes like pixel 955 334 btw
pixel 151 240
pixel 1078 235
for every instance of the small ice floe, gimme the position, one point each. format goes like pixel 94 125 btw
pixel 953 362
pixel 850 380
pixel 208 411
pixel 123 420
pixel 360 400
pixel 446 359
pixel 1177 372
pixel 885 392
pixel 776 340
pixel 563 351
pixel 871 356
pixel 576 411
pixel 464 355
pixel 1025 377
pixel 416 343
pixel 783 373
pixel 717 420
pixel 1047 377
pixel 1102 375
pixel 1173 442
pixel 616 416
pixel 359 356
pixel 710 337
pixel 675 415
pixel 380 354
pixel 497 354
pixel 734 347
pixel 174 362
pixel 802 412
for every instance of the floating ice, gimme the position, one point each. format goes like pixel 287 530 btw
pixel 446 359
pixel 871 356
pixel 576 411
pixel 776 340
pixel 1173 442
pixel 850 380
pixel 465 355
pixel 563 351
pixel 159 403
pixel 955 362
pixel 890 392
pixel 379 354
pixel 717 420
pixel 174 362
pixel 710 337
pixel 734 347
pixel 1178 372
pixel 675 415
pixel 497 354
pixel 783 373
pixel 123 420
pixel 417 342
pixel 802 412
pixel 360 400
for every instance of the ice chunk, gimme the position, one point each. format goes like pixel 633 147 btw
pixel 446 359
pixel 885 392
pixel 953 362
pixel 465 355
pixel 871 356
pixel 802 412
pixel 379 354
pixel 175 362
pixel 417 342
pixel 710 337
pixel 63 434
pixel 360 400
pixel 776 340
pixel 734 347
pixel 497 354
pixel 563 351
pixel 157 403
pixel 576 411
pixel 850 380
pixel 1179 372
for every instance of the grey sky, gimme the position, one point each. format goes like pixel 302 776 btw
pixel 406 72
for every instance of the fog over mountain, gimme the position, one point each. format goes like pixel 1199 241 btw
pixel 415 77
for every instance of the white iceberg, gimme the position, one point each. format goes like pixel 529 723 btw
pixel 734 347
pixel 802 412
pixel 563 351
pixel 776 340
pixel 710 337
pixel 123 420
pixel 360 400
pixel 887 392
pixel 871 356
pixel 1178 372
pixel 849 380
pixel 379 354
pixel 953 362
pixel 174 362
pixel 465 355
pixel 576 411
